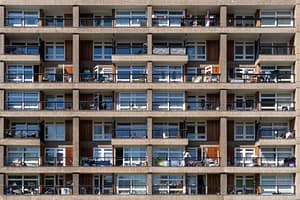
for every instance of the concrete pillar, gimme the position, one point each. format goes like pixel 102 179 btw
pixel 76 58
pixel 75 184
pixel 149 183
pixel 223 58
pixel 76 141
pixel 2 99
pixel 149 16
pixel 223 100
pixel 2 127
pixel 223 184
pixel 149 71
pixel 75 98
pixel 297 16
pixel 223 142
pixel 2 16
pixel 297 154
pixel 149 155
pixel 2 184
pixel 149 127
pixel 2 157
pixel 149 99
pixel 149 43
pixel 76 16
pixel 223 16
pixel 2 72
pixel 2 43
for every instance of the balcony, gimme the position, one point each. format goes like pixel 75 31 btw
pixel 39 189
pixel 38 22
pixel 21 133
pixel 21 53
pixel 185 162
pixel 17 161
pixel 262 162
pixel 161 105
pixel 260 22
pixel 38 77
pixel 110 22
pixel 268 105
pixel 38 105
pixel 127 77
pixel 195 21
pixel 276 55
pixel 114 161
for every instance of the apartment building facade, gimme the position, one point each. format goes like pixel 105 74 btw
pixel 149 99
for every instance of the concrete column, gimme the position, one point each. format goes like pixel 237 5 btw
pixel 149 183
pixel 223 57
pixel 76 141
pixel 149 127
pixel 76 58
pixel 76 16
pixel 2 72
pixel 2 157
pixel 149 99
pixel 297 154
pixel 2 184
pixel 75 184
pixel 223 184
pixel 2 43
pixel 149 43
pixel 2 99
pixel 149 71
pixel 297 16
pixel 223 16
pixel 2 16
pixel 149 16
pixel 223 142
pixel 223 100
pixel 149 155
pixel 2 127
pixel 75 97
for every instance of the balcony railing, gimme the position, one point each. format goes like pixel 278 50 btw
pixel 96 105
pixel 38 77
pixel 276 50
pixel 38 105
pixel 131 133
pixel 21 133
pixel 58 161
pixel 165 50
pixel 267 105
pixel 264 77
pixel 108 22
pixel 184 105
pixel 39 189
pixel 196 21
pixel 185 162
pixel 114 161
pixel 122 77
pixel 16 161
pixel 269 133
pixel 262 161
pixel 38 21
pixel 22 50
pixel 265 22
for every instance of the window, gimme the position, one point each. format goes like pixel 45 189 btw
pixel 131 130
pixel 276 18
pixel 55 156
pixel 102 156
pixel 273 48
pixel 198 103
pixel 244 51
pixel 167 18
pixel 196 50
pixel 167 74
pixel 132 101
pixel 196 131
pixel 130 48
pixel 55 102
pixel 277 101
pixel 23 48
pixel 277 74
pixel 54 131
pixel 20 73
pixel 24 129
pixel 131 74
pixel 55 51
pixel 57 21
pixel 244 103
pixel 134 156
pixel 168 156
pixel 23 18
pixel 130 18
pixel 53 184
pixel 23 101
pixel 244 21
pixel 168 184
pixel 103 21
pixel 131 184
pixel 245 184
pixel 22 184
pixel 271 130
pixel 244 131
pixel 23 156
pixel 244 157
pixel 277 184
pixel 168 101
pixel 279 157
pixel 102 51
pixel 102 184
pixel 102 131
pixel 166 130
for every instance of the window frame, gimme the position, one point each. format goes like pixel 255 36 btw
pixel 244 56
pixel 131 188
pixel 103 55
pixel 54 56
pixel 55 137
pixel 102 136
pixel 244 136
pixel 164 101
pixel 196 56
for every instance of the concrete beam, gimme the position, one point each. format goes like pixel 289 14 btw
pixel 223 57
pixel 76 58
